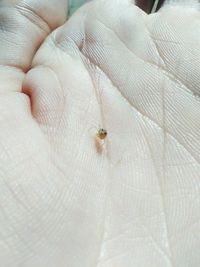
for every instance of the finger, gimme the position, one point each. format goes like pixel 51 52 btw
pixel 23 27
pixel 60 75
pixel 59 84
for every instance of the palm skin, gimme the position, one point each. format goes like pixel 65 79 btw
pixel 69 199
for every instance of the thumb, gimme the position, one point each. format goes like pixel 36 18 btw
pixel 23 27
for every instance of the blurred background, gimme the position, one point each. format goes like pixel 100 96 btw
pixel 75 4
pixel 147 5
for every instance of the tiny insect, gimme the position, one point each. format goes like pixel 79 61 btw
pixel 102 134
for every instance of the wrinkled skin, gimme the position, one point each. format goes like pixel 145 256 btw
pixel 68 199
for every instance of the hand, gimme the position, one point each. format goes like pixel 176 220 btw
pixel 70 199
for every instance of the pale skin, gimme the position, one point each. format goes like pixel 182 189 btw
pixel 134 203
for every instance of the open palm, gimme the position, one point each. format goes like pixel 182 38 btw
pixel 68 198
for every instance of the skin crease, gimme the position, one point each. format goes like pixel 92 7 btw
pixel 66 199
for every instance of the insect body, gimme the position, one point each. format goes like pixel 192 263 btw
pixel 101 133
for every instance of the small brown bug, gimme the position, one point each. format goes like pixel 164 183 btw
pixel 102 133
